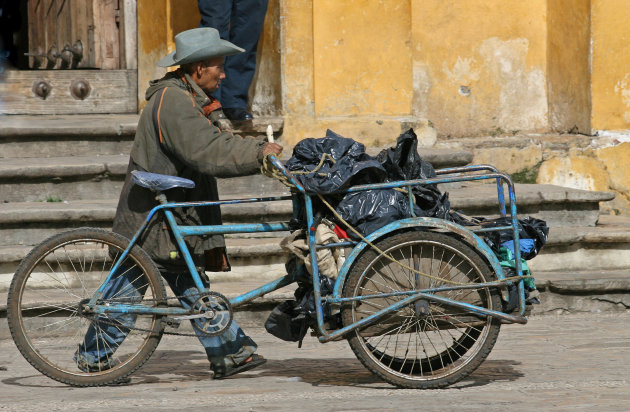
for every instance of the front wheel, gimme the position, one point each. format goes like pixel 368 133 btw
pixel 47 308
pixel 425 344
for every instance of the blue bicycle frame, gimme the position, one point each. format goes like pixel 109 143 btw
pixel 450 175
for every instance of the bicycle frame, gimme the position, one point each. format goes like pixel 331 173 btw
pixel 299 195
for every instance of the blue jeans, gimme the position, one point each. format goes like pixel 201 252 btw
pixel 103 338
pixel 239 22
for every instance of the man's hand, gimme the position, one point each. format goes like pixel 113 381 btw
pixel 272 148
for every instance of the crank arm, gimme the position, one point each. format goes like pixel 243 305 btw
pixel 210 315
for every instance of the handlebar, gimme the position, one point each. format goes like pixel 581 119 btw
pixel 278 165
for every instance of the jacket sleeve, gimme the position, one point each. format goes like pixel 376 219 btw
pixel 199 144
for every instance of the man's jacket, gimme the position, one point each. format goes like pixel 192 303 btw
pixel 176 137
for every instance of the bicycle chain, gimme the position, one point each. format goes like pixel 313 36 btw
pixel 164 331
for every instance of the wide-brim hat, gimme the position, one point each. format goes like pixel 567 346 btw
pixel 199 44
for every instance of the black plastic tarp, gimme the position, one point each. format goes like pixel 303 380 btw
pixel 345 164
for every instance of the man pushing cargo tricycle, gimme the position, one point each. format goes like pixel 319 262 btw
pixel 418 290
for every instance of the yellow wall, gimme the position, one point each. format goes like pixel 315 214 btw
pixel 568 65
pixel 469 67
pixel 152 43
pixel 338 71
pixel 461 67
pixel 480 65
pixel 265 92
pixel 362 57
pixel 160 21
pixel 611 64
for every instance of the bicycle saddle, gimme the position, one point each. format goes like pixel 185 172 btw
pixel 157 182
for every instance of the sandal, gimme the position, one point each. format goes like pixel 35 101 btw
pixel 221 371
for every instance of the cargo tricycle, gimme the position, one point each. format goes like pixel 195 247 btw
pixel 420 300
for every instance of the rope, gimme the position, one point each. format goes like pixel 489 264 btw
pixel 373 246
pixel 269 170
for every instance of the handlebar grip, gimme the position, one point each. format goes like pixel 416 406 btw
pixel 270 134
pixel 278 165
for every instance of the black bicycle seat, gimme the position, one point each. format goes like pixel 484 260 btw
pixel 157 182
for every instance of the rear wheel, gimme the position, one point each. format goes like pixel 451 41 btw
pixel 424 344
pixel 47 316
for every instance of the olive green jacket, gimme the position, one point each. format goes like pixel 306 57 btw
pixel 175 137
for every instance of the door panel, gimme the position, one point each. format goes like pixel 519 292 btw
pixel 104 91
pixel 74 34
pixel 68 40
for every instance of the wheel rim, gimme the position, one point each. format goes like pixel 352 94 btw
pixel 51 321
pixel 426 340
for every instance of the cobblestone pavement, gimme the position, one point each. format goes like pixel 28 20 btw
pixel 563 362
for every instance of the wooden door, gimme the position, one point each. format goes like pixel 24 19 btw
pixel 74 34
pixel 82 59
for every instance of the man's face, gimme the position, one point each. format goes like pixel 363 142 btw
pixel 210 74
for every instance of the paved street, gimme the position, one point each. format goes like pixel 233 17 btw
pixel 563 362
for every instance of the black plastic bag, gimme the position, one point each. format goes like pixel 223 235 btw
pixel 371 210
pixel 528 228
pixel 345 164
pixel 402 162
pixel 306 298
pixel 283 323
pixel 291 319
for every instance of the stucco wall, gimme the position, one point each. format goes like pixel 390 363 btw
pixel 569 65
pixel 160 21
pixel 466 68
pixel 611 64
pixel 480 65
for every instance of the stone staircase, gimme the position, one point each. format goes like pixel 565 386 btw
pixel 64 172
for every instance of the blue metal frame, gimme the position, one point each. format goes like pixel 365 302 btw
pixel 449 175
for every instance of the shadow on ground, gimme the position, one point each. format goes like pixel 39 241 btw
pixel 190 366
pixel 186 366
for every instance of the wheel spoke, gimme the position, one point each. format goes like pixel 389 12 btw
pixel 424 344
pixel 51 328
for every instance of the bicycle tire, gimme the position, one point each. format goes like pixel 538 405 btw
pixel 44 313
pixel 431 350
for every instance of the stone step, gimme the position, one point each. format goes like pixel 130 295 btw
pixel 604 247
pixel 31 179
pixel 27 223
pixel 258 259
pixel 89 135
pixel 566 291
pixel 557 205
pixel 80 135
pixel 587 291
pixel 62 178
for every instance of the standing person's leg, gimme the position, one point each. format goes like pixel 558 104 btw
pixel 246 24
pixel 106 334
pixel 229 350
pixel 216 14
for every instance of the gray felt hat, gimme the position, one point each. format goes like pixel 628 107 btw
pixel 199 44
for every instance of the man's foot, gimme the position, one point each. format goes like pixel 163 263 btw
pixel 85 366
pixel 237 114
pixel 221 371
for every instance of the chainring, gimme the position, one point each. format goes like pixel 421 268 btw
pixel 211 314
